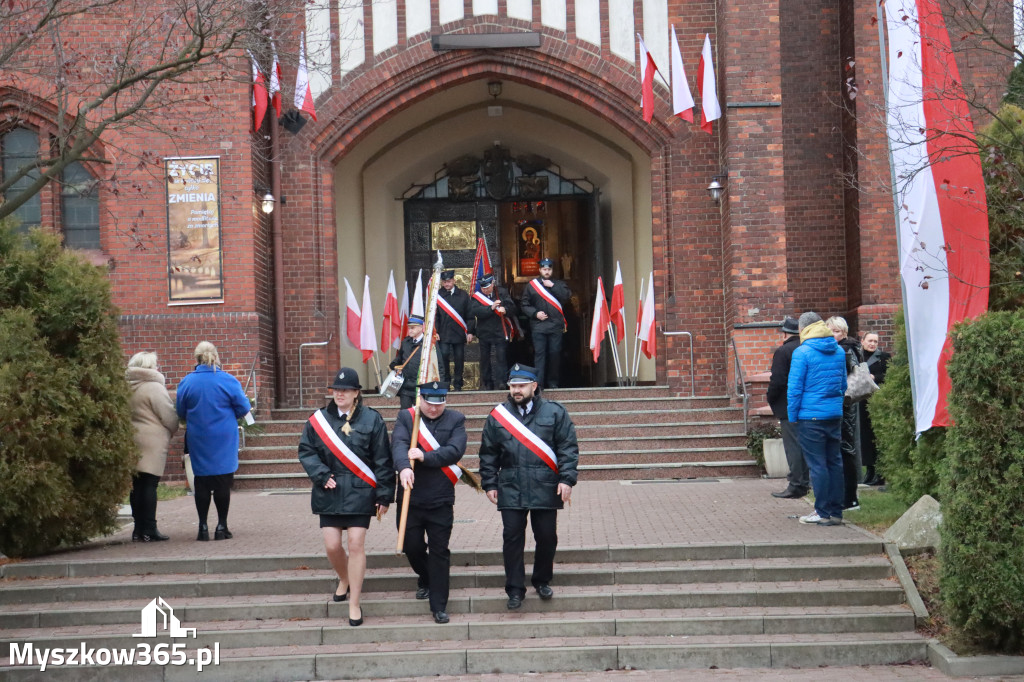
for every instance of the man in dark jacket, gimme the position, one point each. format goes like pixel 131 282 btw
pixel 544 300
pixel 528 458
pixel 799 480
pixel 454 329
pixel 408 358
pixel 493 309
pixel 441 443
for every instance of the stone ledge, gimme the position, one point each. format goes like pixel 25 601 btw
pixel 954 665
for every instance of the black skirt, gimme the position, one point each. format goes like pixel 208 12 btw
pixel 345 520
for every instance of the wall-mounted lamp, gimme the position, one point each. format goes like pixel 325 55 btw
pixel 494 89
pixel 266 199
pixel 717 188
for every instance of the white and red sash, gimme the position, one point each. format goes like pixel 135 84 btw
pixel 506 324
pixel 452 313
pixel 547 296
pixel 453 472
pixel 525 436
pixel 339 449
pixel 481 298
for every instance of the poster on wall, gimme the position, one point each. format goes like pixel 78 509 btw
pixel 194 258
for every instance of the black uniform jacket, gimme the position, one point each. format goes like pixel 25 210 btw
pixel 411 371
pixel 532 302
pixel 368 439
pixel 448 330
pixel 522 479
pixel 777 385
pixel 432 488
pixel 488 323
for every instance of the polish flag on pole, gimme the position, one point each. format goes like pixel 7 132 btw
pixel 709 107
pixel 417 296
pixel 391 325
pixel 599 325
pixel 352 316
pixel 940 196
pixel 259 94
pixel 647 71
pixel 403 315
pixel 682 99
pixel 647 334
pixel 615 315
pixel 367 334
pixel 275 82
pixel 303 93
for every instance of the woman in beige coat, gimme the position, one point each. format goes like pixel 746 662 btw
pixel 155 421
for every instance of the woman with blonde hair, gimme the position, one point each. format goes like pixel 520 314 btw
pixel 155 422
pixel 850 444
pixel 211 402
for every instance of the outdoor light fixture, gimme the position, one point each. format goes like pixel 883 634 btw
pixel 494 89
pixel 266 199
pixel 716 189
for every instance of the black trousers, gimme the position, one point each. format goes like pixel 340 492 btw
pixel 545 532
pixel 219 486
pixel 143 501
pixel 493 375
pixel 430 557
pixel 449 352
pixel 406 400
pixel 547 357
pixel 851 454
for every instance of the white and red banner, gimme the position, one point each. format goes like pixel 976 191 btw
pixel 940 192
pixel 417 297
pixel 338 448
pixel 303 92
pixel 259 94
pixel 615 314
pixel 425 437
pixel 647 335
pixel 367 334
pixel 275 82
pixel 403 313
pixel 682 99
pixel 710 110
pixel 528 438
pixel 599 325
pixel 647 70
pixel 352 316
pixel 391 324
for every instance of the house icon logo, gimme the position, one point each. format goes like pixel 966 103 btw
pixel 157 613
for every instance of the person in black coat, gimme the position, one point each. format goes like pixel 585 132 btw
pixel 493 308
pixel 408 358
pixel 799 476
pixel 345 450
pixel 454 328
pixel 524 479
pixel 850 445
pixel 544 300
pixel 878 363
pixel 431 487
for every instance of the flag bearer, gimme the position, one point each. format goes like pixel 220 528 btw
pixel 493 309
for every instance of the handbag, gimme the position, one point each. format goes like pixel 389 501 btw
pixel 859 384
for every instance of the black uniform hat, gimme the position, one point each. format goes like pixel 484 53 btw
pixel 434 392
pixel 345 378
pixel 521 374
pixel 790 326
pixel 546 263
pixel 447 274
pixel 415 319
pixel 486 280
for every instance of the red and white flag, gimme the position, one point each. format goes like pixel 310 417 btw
pixel 259 94
pixel 647 70
pixel 599 325
pixel 352 316
pixel 367 334
pixel 403 314
pixel 417 297
pixel 275 82
pixel 944 238
pixel 710 110
pixel 615 314
pixel 303 92
pixel 647 335
pixel 391 325
pixel 682 99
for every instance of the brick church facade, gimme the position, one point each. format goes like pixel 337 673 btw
pixel 555 129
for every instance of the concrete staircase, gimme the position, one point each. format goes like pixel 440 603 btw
pixel 667 607
pixel 624 433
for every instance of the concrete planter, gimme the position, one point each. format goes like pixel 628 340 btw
pixel 775 458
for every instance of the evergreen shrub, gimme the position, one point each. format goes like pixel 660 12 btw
pixel 982 553
pixel 66 447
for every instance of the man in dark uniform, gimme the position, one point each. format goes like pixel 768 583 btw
pixel 440 446
pixel 799 476
pixel 526 477
pixel 493 309
pixel 544 300
pixel 454 329
pixel 408 359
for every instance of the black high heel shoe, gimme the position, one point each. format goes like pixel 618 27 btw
pixel 204 532
pixel 222 532
pixel 342 597
pixel 356 622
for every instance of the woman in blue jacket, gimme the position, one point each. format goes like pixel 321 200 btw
pixel 211 402
pixel 817 384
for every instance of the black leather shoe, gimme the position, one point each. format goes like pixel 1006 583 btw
pixel 545 592
pixel 222 533
pixel 342 597
pixel 423 593
pixel 204 532
pixel 138 536
pixel 156 536
pixel 515 602
pixel 790 494
pixel 440 617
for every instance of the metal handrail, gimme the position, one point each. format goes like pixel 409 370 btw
pixel 741 383
pixel 302 384
pixel 693 390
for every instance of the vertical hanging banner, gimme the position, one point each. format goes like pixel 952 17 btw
pixel 194 258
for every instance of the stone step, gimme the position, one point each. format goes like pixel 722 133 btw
pixel 495 656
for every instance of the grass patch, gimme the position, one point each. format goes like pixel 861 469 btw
pixel 877 512
pixel 165 492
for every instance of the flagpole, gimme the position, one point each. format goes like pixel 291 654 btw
pixel 636 348
pixel 615 355
pixel 426 348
